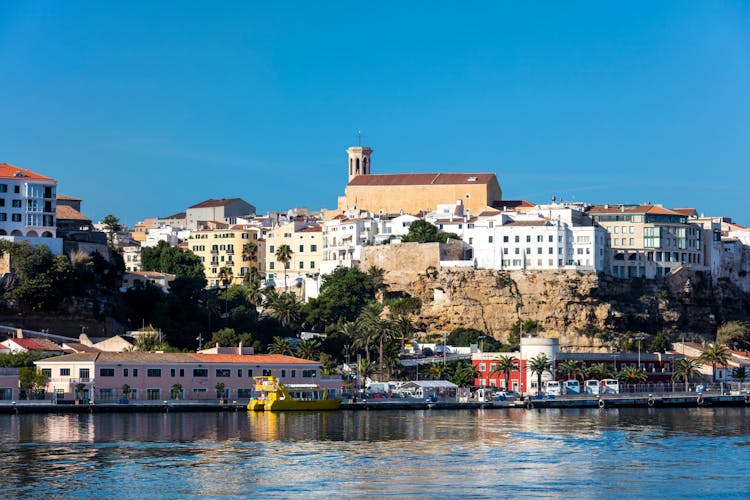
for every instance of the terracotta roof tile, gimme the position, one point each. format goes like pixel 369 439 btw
pixel 215 203
pixel 632 209
pixel 8 171
pixel 527 223
pixel 421 179
pixel 66 197
pixel 64 212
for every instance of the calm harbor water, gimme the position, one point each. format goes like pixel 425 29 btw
pixel 681 453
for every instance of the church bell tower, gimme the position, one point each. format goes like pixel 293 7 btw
pixel 359 161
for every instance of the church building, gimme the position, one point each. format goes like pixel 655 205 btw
pixel 414 193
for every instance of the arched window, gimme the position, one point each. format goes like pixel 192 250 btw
pixel 32 234
pixel 364 166
pixel 46 234
pixel 351 169
pixel 357 169
pixel 3 232
pixel 16 232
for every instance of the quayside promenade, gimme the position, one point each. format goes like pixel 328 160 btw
pixel 638 400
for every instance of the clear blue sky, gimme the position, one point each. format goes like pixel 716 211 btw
pixel 144 108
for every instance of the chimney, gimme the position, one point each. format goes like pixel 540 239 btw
pixel 239 349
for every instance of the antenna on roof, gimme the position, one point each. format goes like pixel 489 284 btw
pixel 359 138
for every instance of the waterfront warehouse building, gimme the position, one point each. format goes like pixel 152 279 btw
pixel 159 376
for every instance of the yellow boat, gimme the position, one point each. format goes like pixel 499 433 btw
pixel 272 395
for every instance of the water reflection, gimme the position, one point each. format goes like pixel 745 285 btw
pixel 541 452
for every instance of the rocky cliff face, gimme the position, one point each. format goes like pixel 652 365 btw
pixel 576 306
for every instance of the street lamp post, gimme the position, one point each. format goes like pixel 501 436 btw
pixel 445 335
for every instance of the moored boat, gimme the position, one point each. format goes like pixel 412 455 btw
pixel 272 395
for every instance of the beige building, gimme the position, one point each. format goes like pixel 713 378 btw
pixel 414 193
pixel 649 241
pixel 305 239
pixel 221 249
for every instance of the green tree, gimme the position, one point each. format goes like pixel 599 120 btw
pixel 463 374
pixel 421 231
pixel 150 340
pixel 367 327
pixel 343 294
pixel 284 256
pixel 660 343
pixel 281 345
pixel 715 355
pixel 600 371
pixel 220 390
pixel 225 276
pixel 739 373
pixel 464 337
pixel 229 337
pixel 31 379
pixel 572 368
pixel 287 309
pixel 167 259
pixel 436 371
pixel 539 365
pixel 365 368
pixel 308 349
pixel 404 306
pixel 632 375
pixel 733 333
pixel 506 364
pixel 112 226
pixel 20 359
pixel 686 369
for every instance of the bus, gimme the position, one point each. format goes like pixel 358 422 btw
pixel 572 387
pixel 591 387
pixel 610 386
pixel 552 388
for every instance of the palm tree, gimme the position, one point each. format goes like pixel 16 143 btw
pixel 404 326
pixel 287 309
pixel 539 365
pixel 366 368
pixel 284 256
pixel 436 371
pixel 715 354
pixel 280 345
pixel 250 252
pixel 632 375
pixel 368 323
pixel 685 369
pixel 463 374
pixel 308 349
pixel 599 371
pixel 739 373
pixel 571 368
pixel 225 276
pixel 349 330
pixel 506 364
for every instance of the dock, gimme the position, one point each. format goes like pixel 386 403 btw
pixel 605 401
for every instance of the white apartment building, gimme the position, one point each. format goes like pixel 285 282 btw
pixel 650 241
pixel 131 255
pixel 173 236
pixel 343 239
pixel 27 207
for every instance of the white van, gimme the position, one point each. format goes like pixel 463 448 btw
pixel 552 388
pixel 591 387
pixel 572 387
pixel 610 386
